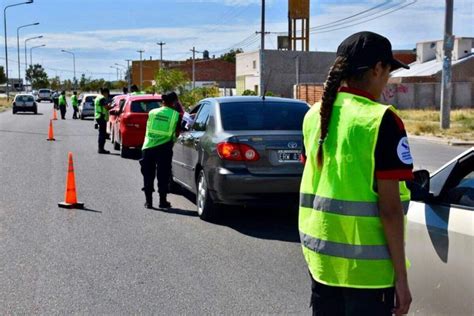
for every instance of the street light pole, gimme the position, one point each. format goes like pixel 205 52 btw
pixel 141 68
pixel 31 52
pixel 161 52
pixel 262 51
pixel 194 66
pixel 26 52
pixel 117 69
pixel 5 36
pixel 18 46
pixel 73 64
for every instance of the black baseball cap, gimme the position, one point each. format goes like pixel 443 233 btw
pixel 365 49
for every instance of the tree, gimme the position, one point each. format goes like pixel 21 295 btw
pixel 192 97
pixel 3 78
pixel 230 56
pixel 169 80
pixel 84 83
pixel 55 83
pixel 37 76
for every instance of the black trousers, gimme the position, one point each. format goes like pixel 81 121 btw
pixel 76 110
pixel 156 162
pixel 102 132
pixel 338 301
pixel 62 108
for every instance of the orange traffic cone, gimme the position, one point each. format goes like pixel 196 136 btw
pixel 55 115
pixel 70 197
pixel 51 132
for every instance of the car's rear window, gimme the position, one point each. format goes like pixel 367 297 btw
pixel 25 98
pixel 245 116
pixel 45 91
pixel 145 106
pixel 90 99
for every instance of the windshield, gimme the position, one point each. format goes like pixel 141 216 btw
pixel 145 106
pixel 25 98
pixel 244 116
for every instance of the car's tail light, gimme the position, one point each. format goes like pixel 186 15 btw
pixel 237 152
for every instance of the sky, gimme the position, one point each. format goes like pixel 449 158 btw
pixel 102 33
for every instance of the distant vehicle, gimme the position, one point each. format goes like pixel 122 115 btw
pixel 130 123
pixel 86 107
pixel 45 95
pixel 24 103
pixel 117 103
pixel 241 151
pixel 440 239
pixel 35 93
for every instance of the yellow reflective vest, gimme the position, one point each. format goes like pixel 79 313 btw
pixel 341 232
pixel 160 127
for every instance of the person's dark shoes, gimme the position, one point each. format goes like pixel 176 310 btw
pixel 103 151
pixel 165 204
pixel 149 200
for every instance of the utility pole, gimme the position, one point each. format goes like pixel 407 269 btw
pixel 161 52
pixel 446 86
pixel 129 74
pixel 194 66
pixel 141 68
pixel 262 49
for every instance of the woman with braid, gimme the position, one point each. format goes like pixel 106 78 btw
pixel 353 195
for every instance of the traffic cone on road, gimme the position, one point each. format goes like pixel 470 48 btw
pixel 51 132
pixel 55 115
pixel 70 197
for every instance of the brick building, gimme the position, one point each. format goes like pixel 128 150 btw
pixel 208 72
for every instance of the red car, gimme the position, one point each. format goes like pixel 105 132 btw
pixel 130 119
pixel 117 103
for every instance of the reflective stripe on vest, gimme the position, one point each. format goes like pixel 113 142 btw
pixel 349 208
pixel 342 235
pixel 345 250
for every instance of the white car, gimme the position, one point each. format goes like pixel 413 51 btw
pixel 440 239
pixel 45 95
pixel 86 107
pixel 24 103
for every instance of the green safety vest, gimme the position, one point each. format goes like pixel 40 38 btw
pixel 62 100
pixel 160 127
pixel 341 232
pixel 100 111
pixel 74 101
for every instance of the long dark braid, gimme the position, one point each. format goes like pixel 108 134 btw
pixel 338 72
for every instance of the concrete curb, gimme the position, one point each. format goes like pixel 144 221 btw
pixel 444 141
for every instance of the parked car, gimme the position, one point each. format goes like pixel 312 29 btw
pixel 130 123
pixel 241 151
pixel 440 239
pixel 24 103
pixel 117 103
pixel 86 107
pixel 45 95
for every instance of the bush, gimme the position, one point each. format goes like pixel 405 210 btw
pixel 249 92
pixel 192 97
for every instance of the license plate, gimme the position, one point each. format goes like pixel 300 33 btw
pixel 289 155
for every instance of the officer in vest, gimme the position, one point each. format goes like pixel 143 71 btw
pixel 157 152
pixel 75 105
pixel 353 197
pixel 102 107
pixel 62 104
pixel 135 91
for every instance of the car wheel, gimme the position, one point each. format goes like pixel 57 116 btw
pixel 14 111
pixel 206 208
pixel 116 146
pixel 124 151
pixel 82 117
pixel 35 111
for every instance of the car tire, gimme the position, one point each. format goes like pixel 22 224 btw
pixel 206 208
pixel 116 146
pixel 35 111
pixel 14 111
pixel 124 151
pixel 82 117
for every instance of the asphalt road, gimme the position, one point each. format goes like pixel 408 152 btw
pixel 115 257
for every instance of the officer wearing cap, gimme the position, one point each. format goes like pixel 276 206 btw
pixel 353 198
pixel 162 127
pixel 102 107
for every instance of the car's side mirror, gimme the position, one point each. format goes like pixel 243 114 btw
pixel 420 185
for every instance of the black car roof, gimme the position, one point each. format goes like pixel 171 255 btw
pixel 235 99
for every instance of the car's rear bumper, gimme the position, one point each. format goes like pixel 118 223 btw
pixel 244 188
pixel 25 108
pixel 87 112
